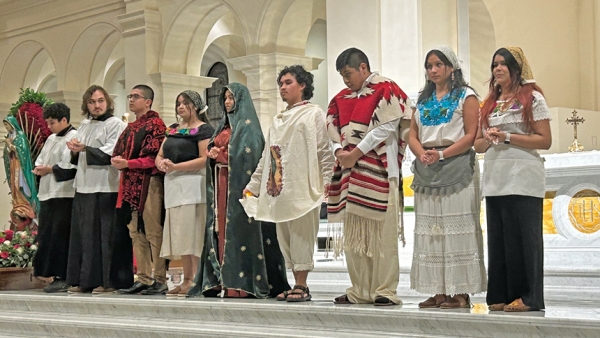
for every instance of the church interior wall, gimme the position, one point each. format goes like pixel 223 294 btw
pixel 61 47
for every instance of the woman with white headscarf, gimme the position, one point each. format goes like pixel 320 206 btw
pixel 182 157
pixel 448 248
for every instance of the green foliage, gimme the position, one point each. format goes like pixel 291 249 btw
pixel 29 95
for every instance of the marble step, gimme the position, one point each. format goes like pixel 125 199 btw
pixel 331 276
pixel 33 313
pixel 78 326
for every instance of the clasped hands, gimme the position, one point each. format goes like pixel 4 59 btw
pixel 75 146
pixel 214 152
pixel 430 157
pixel 494 135
pixel 165 165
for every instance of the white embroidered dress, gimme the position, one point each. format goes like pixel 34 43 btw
pixel 448 248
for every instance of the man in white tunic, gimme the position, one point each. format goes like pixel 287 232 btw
pixel 292 177
pixel 56 199
pixel 100 255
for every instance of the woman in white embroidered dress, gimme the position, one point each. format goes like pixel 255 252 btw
pixel 514 123
pixel 448 249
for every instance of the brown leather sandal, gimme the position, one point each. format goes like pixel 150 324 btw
pixel 455 303
pixel 285 294
pixel 496 307
pixel 383 301
pixel 517 305
pixel 343 299
pixel 303 291
pixel 431 303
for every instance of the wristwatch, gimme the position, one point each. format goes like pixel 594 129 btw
pixel 441 154
pixel 507 138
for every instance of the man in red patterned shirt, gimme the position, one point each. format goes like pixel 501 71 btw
pixel 140 199
pixel 365 123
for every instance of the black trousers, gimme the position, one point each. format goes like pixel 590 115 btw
pixel 515 250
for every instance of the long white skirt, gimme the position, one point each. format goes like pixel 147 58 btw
pixel 184 230
pixel 448 249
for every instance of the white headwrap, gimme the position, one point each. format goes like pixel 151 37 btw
pixel 450 55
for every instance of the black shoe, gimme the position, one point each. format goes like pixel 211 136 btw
pixel 57 285
pixel 137 287
pixel 156 289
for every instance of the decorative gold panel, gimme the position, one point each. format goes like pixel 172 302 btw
pixel 548 221
pixel 406 182
pixel 584 211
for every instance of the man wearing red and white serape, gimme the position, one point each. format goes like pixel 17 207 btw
pixel 366 122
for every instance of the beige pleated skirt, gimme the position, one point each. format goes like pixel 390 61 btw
pixel 184 230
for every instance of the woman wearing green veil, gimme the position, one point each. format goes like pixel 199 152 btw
pixel 21 181
pixel 241 256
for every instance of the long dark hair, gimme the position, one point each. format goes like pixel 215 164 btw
pixel 457 83
pixel 524 92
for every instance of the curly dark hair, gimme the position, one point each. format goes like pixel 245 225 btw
pixel 57 111
pixel 302 76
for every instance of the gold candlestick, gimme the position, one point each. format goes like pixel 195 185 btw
pixel 575 120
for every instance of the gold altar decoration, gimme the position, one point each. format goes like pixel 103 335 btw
pixel 406 182
pixel 547 220
pixel 575 120
pixel 584 211
pixel 125 117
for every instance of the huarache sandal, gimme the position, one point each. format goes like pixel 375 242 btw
pixel 496 307
pixel 343 299
pixel 174 292
pixel 457 302
pixel 383 301
pixel 517 306
pixel 304 294
pixel 285 294
pixel 431 303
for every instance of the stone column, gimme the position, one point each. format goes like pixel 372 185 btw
pixel 388 31
pixel 261 71
pixel 171 85
pixel 142 40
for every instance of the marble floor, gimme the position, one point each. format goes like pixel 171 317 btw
pixel 112 315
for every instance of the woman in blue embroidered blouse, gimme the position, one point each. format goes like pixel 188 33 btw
pixel 183 158
pixel 448 246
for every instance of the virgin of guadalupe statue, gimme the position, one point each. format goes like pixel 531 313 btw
pixel 20 179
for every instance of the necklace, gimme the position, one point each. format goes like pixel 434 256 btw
pixel 434 112
pixel 506 104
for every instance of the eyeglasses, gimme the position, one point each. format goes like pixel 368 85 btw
pixel 134 97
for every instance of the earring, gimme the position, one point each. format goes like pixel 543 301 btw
pixel 453 76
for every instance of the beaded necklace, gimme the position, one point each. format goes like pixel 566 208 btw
pixel 434 112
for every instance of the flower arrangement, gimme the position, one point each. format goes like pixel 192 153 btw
pixel 17 249
pixel 29 113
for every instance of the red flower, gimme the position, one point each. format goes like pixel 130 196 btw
pixel 2 240
pixel 9 234
pixel 28 244
pixel 16 246
pixel 4 255
pixel 34 233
